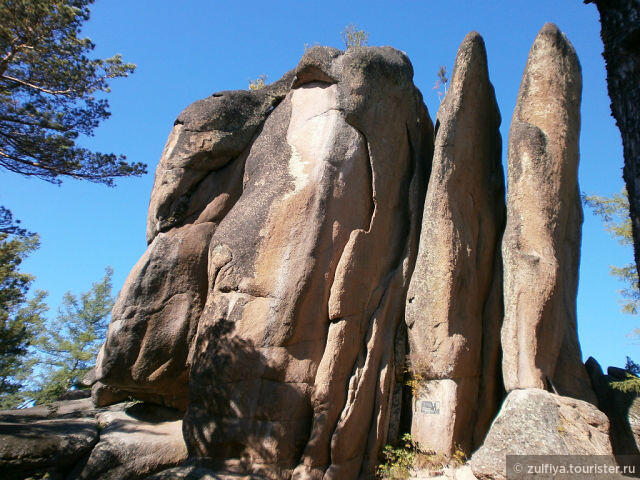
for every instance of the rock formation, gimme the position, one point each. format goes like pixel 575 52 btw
pixel 541 246
pixel 198 180
pixel 291 365
pixel 74 440
pixel 277 299
pixel 454 304
pixel 280 254
pixel 535 422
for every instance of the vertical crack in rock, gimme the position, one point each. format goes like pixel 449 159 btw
pixel 452 332
pixel 541 246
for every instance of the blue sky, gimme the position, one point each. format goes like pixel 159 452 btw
pixel 188 50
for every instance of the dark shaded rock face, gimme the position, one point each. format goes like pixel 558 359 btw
pixel 541 246
pixel 622 409
pixel 454 305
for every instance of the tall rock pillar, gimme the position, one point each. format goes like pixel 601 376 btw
pixel 541 246
pixel 454 307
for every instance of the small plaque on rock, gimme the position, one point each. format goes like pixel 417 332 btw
pixel 430 408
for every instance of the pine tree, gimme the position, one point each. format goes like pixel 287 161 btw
pixel 51 92
pixel 20 319
pixel 614 212
pixel 67 346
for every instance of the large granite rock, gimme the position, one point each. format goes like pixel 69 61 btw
pixel 454 304
pixel 74 440
pixel 134 443
pixel 293 364
pixel 283 230
pixel 536 422
pixel 198 180
pixel 541 246
pixel 52 446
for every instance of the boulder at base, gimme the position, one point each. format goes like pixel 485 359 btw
pixel 73 440
pixel 134 443
pixel 536 422
pixel 51 446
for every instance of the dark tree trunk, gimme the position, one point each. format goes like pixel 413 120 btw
pixel 620 30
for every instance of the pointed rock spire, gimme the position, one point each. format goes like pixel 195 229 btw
pixel 453 306
pixel 541 246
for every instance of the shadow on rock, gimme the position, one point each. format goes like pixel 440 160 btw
pixel 623 411
pixel 235 419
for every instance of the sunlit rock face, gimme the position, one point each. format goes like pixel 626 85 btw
pixel 535 422
pixel 541 247
pixel 305 241
pixel 198 180
pixel 283 230
pixel 293 367
pixel 454 305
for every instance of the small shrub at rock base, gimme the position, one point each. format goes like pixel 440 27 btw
pixel 398 461
pixel 408 456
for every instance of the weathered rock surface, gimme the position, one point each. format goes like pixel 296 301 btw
pixel 283 231
pixel 541 246
pixel 293 364
pixel 536 422
pixel 155 318
pixel 134 443
pixel 198 180
pixel 75 440
pixel 195 472
pixel 103 395
pixel 454 304
pixel 461 473
pixel 191 183
pixel 52 446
